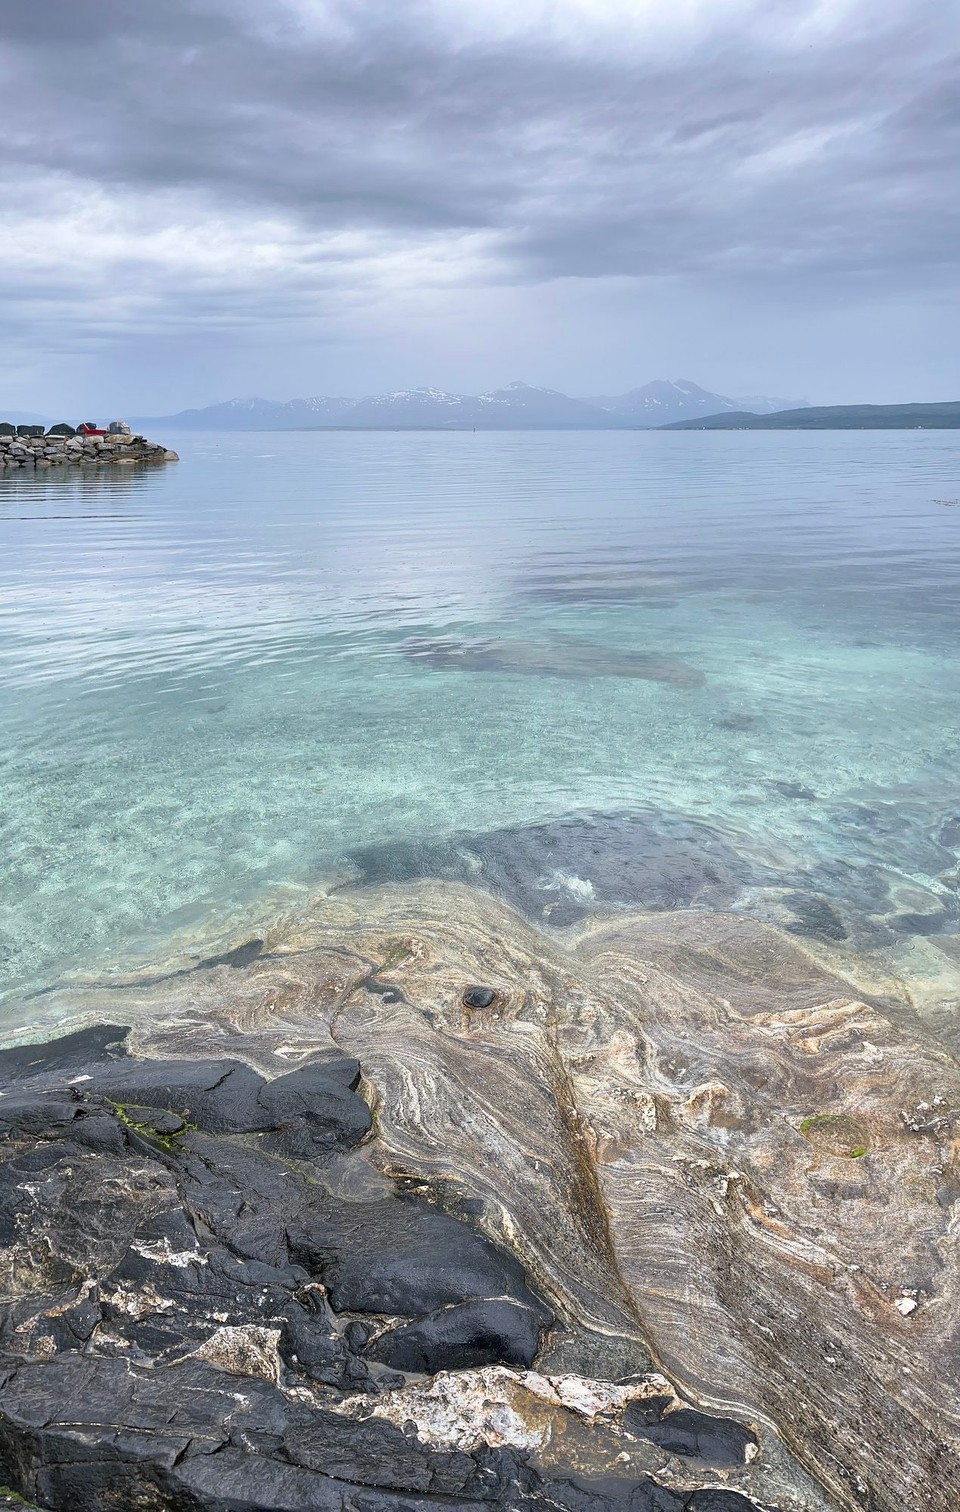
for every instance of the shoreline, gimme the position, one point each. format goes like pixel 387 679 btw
pixel 684 1128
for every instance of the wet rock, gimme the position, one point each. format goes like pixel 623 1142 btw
pixel 317 1104
pixel 950 833
pixel 402 1258
pixel 559 658
pixel 463 1337
pixel 814 917
pixel 719 1500
pixel 238 958
pixel 173 1252
pixel 479 997
pixel 154 1120
pixel 561 871
pixel 219 1096
pixel 57 1058
pixel 719 1441
pixel 795 790
pixel 922 923
pixel 737 722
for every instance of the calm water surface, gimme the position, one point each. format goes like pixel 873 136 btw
pixel 220 679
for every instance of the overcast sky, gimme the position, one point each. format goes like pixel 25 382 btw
pixel 207 198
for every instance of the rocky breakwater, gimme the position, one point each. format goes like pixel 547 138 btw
pixel 31 447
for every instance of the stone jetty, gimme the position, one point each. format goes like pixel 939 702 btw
pixel 30 446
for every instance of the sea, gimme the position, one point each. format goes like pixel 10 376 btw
pixel 589 670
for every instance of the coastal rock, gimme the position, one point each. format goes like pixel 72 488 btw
pixel 701 1146
pixel 176 1330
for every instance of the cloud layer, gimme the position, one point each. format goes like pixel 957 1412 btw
pixel 255 176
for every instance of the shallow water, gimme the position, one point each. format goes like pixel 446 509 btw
pixel 292 659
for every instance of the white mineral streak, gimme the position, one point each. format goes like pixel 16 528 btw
pixel 246 1350
pixel 162 1253
pixel 497 1406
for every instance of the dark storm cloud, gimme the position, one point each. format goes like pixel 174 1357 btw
pixel 723 139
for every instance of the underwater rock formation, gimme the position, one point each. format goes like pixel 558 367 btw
pixel 562 657
pixel 661 1219
pixel 561 871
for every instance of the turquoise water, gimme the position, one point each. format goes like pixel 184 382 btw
pixel 223 679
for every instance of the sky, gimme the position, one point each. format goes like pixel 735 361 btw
pixel 205 199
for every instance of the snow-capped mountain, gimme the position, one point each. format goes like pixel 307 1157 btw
pixel 254 414
pixel 663 403
pixel 518 406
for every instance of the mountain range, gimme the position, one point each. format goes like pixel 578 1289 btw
pixel 518 406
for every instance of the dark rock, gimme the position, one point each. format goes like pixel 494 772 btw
pixel 219 1096
pixel 76 1053
pixel 403 1258
pixel 317 1104
pixel 458 1338
pixel 62 430
pixel 239 958
pixel 559 871
pixel 949 836
pixel 921 923
pixel 479 997
pixel 562 657
pixel 795 790
pixel 155 1120
pixel 160 1282
pixel 737 722
pixel 815 917
pixel 386 991
pixel 718 1441
pixel 719 1500
pixel 29 430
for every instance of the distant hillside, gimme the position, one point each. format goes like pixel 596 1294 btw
pixel 518 406
pixel 835 417
pixel 660 403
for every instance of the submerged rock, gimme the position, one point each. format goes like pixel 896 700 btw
pixel 562 871
pixel 559 658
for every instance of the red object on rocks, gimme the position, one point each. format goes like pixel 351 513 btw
pixel 89 429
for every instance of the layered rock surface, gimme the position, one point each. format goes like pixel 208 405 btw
pixel 411 1206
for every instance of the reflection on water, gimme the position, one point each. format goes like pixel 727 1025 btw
pixel 242 674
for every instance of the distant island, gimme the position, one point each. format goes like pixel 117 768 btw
pixel 834 417
pixel 518 406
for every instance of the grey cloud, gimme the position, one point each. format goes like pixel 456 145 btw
pixel 299 166
pixel 587 161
